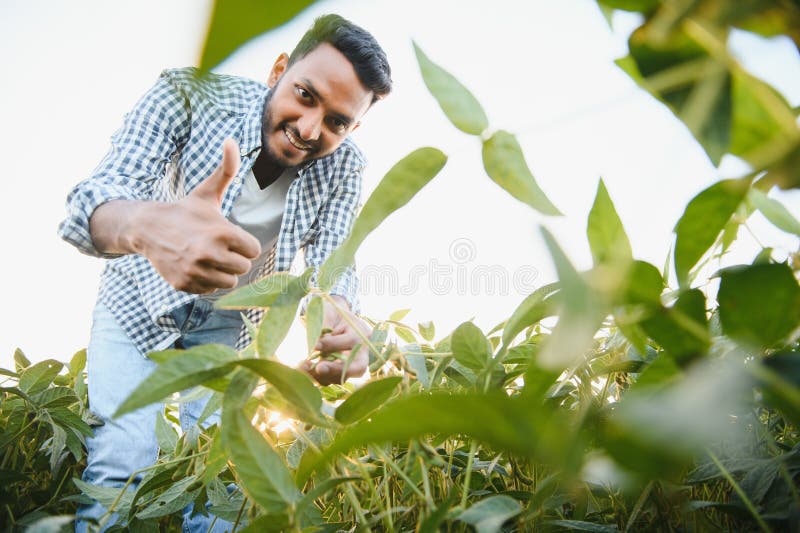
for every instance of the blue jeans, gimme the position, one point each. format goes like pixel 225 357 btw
pixel 115 368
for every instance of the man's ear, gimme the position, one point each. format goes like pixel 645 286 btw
pixel 277 70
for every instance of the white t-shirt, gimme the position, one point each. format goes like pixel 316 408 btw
pixel 259 212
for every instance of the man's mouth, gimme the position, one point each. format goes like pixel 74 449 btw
pixel 296 142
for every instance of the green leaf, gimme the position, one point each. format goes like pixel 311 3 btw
pixel 460 106
pixel 516 426
pixel 427 330
pixel 170 501
pixel 778 376
pixel 213 405
pixel 642 6
pixel 319 490
pixel 78 362
pixel 106 496
pixel 234 22
pixel 505 164
pixel 660 372
pixel 581 314
pixel 533 308
pixel 261 293
pixel 762 120
pixel 396 189
pixel 399 315
pixel 265 477
pixel 180 370
pixel 279 317
pixel 166 435
pixel 418 365
pixel 580 525
pixel 57 446
pixel 682 330
pixel 272 523
pixel 470 347
pixel 366 399
pixel 152 483
pixel 607 237
pixel 55 397
pixel 216 460
pixel 703 220
pixel 295 386
pixel 38 377
pixel 20 361
pixel 489 514
pixel 677 70
pixel 643 284
pixel 313 322
pixel 759 304
pixel 774 211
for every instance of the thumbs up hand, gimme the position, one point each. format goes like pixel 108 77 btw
pixel 191 244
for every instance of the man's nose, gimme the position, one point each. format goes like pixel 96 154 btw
pixel 309 126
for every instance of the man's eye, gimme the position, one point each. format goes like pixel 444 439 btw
pixel 338 124
pixel 305 95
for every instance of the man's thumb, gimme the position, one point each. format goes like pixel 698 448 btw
pixel 213 187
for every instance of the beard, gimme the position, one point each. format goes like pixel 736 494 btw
pixel 269 127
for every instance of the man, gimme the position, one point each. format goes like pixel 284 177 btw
pixel 208 182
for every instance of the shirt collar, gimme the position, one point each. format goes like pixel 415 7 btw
pixel 251 131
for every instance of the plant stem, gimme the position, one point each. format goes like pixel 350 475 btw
pixel 637 508
pixel 385 458
pixel 473 448
pixel 239 515
pixel 740 492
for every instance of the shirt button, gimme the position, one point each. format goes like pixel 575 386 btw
pixel 237 180
pixel 164 308
pixel 243 152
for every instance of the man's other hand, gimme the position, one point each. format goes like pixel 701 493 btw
pixel 342 337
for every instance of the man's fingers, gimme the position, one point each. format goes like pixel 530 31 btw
pixel 243 243
pixel 213 187
pixel 230 263
pixel 337 343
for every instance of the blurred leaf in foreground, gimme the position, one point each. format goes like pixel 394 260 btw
pixel 759 304
pixel 460 106
pixel 505 164
pixel 234 22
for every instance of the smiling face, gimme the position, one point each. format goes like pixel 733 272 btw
pixel 312 106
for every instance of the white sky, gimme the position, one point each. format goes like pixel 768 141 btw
pixel 543 70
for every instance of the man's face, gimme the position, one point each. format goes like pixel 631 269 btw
pixel 312 106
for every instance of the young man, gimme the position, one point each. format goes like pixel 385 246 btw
pixel 210 181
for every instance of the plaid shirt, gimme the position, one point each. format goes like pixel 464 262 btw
pixel 169 143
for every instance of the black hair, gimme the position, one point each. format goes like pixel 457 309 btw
pixel 356 44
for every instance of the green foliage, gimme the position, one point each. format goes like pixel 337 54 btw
pixel 43 426
pixel 679 54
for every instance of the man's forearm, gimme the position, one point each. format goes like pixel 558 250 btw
pixel 114 226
